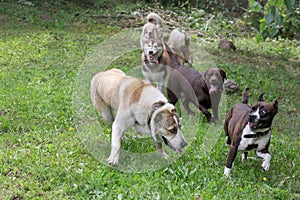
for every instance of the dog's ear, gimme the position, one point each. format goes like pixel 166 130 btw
pixel 261 97
pixel 223 73
pixel 150 34
pixel 275 105
pixel 157 105
pixel 161 36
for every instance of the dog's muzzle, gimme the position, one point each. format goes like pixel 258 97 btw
pixel 177 143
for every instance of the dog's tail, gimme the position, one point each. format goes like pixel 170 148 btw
pixel 186 39
pixel 154 19
pixel 245 96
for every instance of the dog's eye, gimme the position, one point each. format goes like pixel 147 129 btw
pixel 173 130
pixel 253 109
pixel 263 112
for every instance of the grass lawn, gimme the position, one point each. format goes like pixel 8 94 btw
pixel 50 146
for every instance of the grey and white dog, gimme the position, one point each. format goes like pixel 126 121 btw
pixel 151 28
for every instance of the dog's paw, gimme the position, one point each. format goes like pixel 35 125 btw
pixel 112 161
pixel 265 165
pixel 164 155
pixel 244 156
pixel 227 171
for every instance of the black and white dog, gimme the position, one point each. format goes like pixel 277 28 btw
pixel 249 128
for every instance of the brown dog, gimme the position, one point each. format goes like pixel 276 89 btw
pixel 202 89
pixel 249 128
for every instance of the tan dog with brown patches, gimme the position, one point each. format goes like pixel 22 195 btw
pixel 138 104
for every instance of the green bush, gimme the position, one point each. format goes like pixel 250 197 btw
pixel 280 18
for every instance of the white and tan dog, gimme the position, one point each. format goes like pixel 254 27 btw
pixel 138 104
pixel 152 27
pixel 179 43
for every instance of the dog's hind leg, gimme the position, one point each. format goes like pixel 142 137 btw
pixel 104 109
pixel 171 96
pixel 205 112
pixel 186 105
pixel 244 155
pixel 227 119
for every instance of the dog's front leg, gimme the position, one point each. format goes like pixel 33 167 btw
pixel 267 158
pixel 231 156
pixel 160 150
pixel 117 134
pixel 215 111
pixel 215 107
pixel 160 87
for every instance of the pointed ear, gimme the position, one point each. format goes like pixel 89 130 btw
pixel 275 105
pixel 150 34
pixel 261 97
pixel 161 36
pixel 223 73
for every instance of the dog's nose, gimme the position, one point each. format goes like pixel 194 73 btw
pixel 150 52
pixel 251 118
pixel 213 80
pixel 183 144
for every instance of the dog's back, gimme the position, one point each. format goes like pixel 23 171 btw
pixel 179 42
pixel 236 115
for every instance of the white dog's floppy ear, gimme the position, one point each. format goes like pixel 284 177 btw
pixel 154 126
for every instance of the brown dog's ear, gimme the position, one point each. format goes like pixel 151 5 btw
pixel 261 97
pixel 223 73
pixel 275 105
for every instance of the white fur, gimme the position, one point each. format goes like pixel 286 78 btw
pixel 256 113
pixel 227 171
pixel 261 141
pixel 243 156
pixel 266 162
pixel 150 27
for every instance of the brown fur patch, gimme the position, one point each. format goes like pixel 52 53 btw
pixel 138 89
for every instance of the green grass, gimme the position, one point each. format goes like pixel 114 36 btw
pixel 42 151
